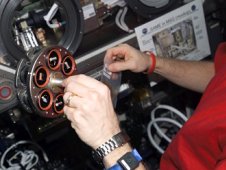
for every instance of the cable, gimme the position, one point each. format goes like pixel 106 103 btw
pixel 153 142
pixel 26 157
pixel 120 20
pixel 170 108
pixel 55 25
pixel 49 16
pixel 169 120
pixel 189 112
pixel 117 20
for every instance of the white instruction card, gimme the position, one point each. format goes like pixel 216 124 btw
pixel 180 33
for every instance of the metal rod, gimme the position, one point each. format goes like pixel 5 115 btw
pixel 56 82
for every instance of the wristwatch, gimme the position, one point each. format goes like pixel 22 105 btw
pixel 116 141
pixel 129 161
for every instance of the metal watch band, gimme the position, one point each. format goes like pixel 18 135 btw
pixel 116 141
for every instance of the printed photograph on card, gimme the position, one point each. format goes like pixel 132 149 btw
pixel 180 34
pixel 175 41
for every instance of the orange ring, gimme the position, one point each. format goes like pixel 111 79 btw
pixel 73 67
pixel 50 101
pixel 9 92
pixel 47 77
pixel 59 58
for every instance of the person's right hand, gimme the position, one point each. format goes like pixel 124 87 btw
pixel 125 57
pixel 90 109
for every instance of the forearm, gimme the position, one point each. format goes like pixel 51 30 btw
pixel 189 74
pixel 194 75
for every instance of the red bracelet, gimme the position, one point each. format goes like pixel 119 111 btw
pixel 153 62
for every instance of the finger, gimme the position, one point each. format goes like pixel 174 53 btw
pixel 68 111
pixel 74 126
pixel 67 97
pixel 68 80
pixel 87 81
pixel 119 66
pixel 73 114
pixel 115 51
pixel 76 88
pixel 75 101
pixel 71 79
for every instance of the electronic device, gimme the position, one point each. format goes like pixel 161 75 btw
pixel 38 80
pixel 8 97
pixel 32 94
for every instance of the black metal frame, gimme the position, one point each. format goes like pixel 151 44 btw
pixel 70 40
pixel 151 12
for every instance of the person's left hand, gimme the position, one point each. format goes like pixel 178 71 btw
pixel 90 109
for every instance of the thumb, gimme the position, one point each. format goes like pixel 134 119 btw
pixel 118 66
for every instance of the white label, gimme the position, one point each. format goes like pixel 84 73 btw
pixel 88 11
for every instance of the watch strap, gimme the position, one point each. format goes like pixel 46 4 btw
pixel 128 161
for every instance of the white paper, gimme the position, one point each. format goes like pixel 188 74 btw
pixel 88 11
pixel 113 3
pixel 180 33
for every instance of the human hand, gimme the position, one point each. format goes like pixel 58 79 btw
pixel 90 110
pixel 125 57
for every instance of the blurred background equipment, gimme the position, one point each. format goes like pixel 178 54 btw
pixel 153 8
pixel 8 97
pixel 40 40
pixel 29 24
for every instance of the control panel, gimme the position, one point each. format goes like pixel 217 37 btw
pixel 39 81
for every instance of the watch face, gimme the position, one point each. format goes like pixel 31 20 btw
pixel 128 161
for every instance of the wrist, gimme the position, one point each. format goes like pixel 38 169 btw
pixel 130 160
pixel 151 64
pixel 105 137
pixel 115 155
pixel 116 141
